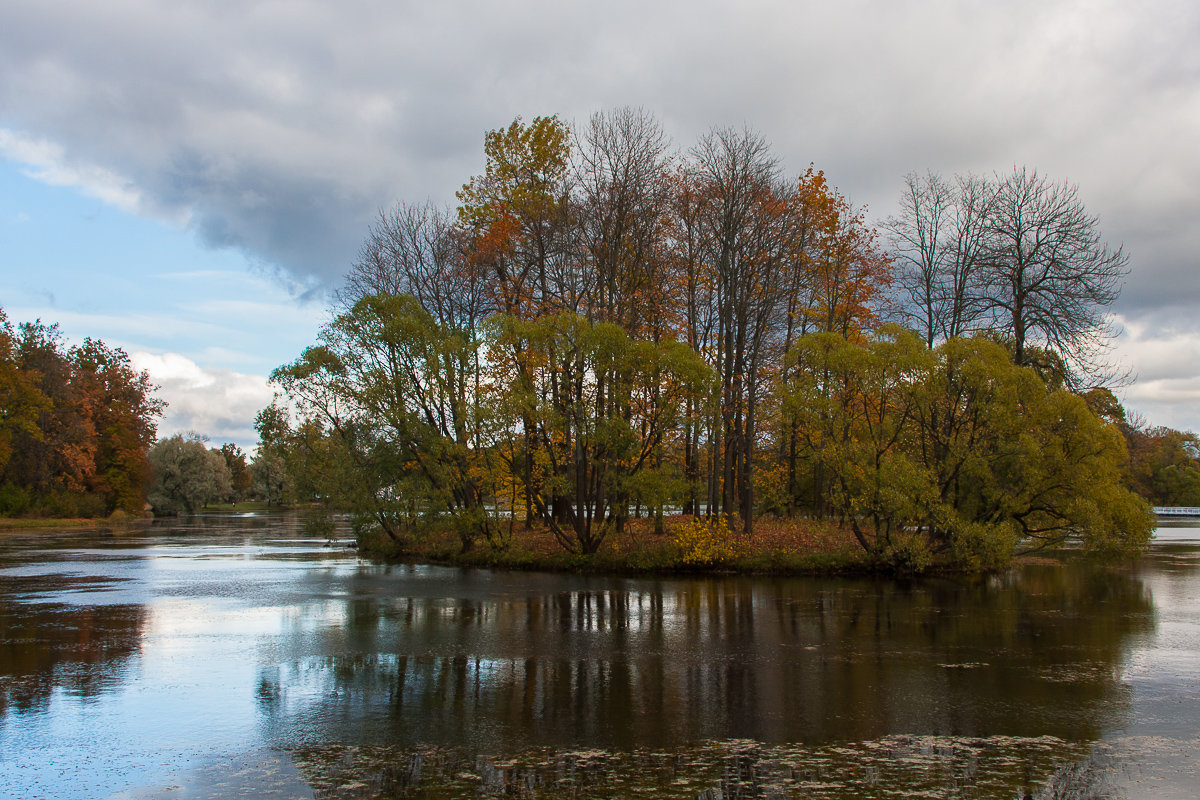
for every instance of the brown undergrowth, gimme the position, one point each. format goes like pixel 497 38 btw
pixel 776 546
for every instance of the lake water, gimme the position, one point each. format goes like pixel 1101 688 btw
pixel 230 657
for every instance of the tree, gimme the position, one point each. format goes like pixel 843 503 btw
pixel 622 187
pixel 600 404
pixel 75 424
pixel 187 475
pixel 240 480
pixel 957 455
pixel 400 396
pixel 1164 464
pixel 741 220
pixel 268 469
pixel 1047 269
pixel 938 243
pixel 516 215
pixel 22 403
pixel 123 414
pixel 1018 254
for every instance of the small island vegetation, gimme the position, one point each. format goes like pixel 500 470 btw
pixel 617 354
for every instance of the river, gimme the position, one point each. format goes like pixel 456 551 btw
pixel 222 657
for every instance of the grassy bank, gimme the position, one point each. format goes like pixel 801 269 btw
pixel 9 524
pixel 776 547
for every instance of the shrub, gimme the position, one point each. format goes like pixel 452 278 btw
pixel 706 541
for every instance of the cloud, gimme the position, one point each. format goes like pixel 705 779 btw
pixel 47 162
pixel 1166 360
pixel 217 403
pixel 280 130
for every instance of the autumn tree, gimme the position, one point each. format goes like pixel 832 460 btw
pixel 1164 464
pixel 75 425
pixel 613 399
pixel 516 214
pixel 515 218
pixel 740 218
pixel 22 403
pixel 240 480
pixel 123 415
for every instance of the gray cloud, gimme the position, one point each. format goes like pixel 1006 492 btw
pixel 281 129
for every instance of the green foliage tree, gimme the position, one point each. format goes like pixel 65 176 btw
pixel 598 405
pixel 401 398
pixel 240 480
pixel 1164 464
pixel 958 456
pixel 268 469
pixel 187 475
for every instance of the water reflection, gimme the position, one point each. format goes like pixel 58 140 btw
pixel 45 647
pixel 622 665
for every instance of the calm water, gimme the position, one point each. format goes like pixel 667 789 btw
pixel 231 657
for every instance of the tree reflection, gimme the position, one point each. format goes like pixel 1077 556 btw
pixel 47 646
pixel 629 665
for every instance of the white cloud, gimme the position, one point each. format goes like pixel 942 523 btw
pixel 47 162
pixel 217 403
pixel 1166 387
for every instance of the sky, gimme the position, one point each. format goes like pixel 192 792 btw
pixel 187 180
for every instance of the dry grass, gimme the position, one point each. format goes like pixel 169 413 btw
pixel 776 546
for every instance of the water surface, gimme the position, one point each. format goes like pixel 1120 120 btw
pixel 224 657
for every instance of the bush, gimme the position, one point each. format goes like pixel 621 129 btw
pixel 706 541
pixel 14 500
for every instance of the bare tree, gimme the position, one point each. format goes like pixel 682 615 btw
pixel 621 167
pixel 1048 274
pixel 918 246
pixel 740 217
pixel 937 241
pixel 417 250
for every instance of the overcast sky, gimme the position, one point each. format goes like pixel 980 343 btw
pixel 185 179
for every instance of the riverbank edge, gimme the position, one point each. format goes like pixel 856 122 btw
pixel 73 524
pixel 661 559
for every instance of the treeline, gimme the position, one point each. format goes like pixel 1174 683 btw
pixel 75 426
pixel 608 328
pixel 1164 464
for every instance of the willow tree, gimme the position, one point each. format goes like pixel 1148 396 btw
pixel 402 395
pixel 599 404
pixel 957 455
